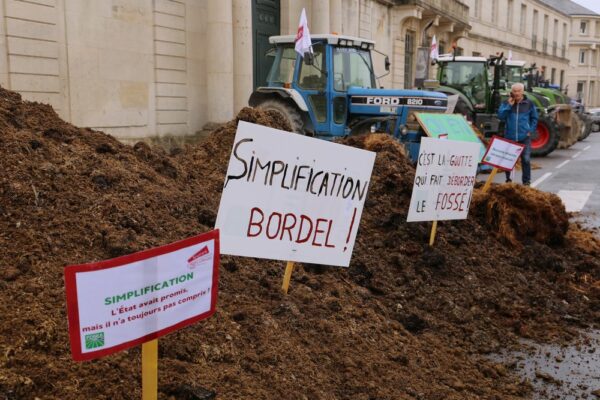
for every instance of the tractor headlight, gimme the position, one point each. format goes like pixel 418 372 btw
pixel 343 42
pixel 350 43
pixel 364 45
pixel 403 130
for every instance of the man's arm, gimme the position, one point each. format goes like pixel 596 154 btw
pixel 533 119
pixel 504 110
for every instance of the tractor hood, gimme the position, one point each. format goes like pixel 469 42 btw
pixel 385 101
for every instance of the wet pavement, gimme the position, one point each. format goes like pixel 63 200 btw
pixel 559 372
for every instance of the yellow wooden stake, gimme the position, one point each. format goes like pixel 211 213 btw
pixel 150 370
pixel 433 232
pixel 488 183
pixel 287 276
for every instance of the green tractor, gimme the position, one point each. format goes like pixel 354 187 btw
pixel 480 95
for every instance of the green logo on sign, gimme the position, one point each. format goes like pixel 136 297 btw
pixel 94 340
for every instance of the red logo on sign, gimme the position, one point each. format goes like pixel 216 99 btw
pixel 199 257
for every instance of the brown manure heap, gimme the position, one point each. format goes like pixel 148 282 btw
pixel 404 321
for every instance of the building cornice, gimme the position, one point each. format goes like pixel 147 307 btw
pixel 502 44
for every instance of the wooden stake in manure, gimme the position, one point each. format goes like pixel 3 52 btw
pixel 150 370
pixel 488 183
pixel 287 276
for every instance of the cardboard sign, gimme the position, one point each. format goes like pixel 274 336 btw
pixel 503 153
pixel 291 197
pixel 444 180
pixel 453 125
pixel 123 302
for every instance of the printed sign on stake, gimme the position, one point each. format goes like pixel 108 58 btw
pixel 503 153
pixel 292 198
pixel 123 302
pixel 444 180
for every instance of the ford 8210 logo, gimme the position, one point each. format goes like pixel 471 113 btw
pixel 393 101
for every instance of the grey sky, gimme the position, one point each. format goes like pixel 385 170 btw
pixel 593 5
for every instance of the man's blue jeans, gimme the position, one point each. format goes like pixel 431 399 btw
pixel 525 162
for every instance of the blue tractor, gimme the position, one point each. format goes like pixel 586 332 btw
pixel 334 92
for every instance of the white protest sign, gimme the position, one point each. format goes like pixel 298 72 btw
pixel 444 180
pixel 123 302
pixel 503 153
pixel 293 198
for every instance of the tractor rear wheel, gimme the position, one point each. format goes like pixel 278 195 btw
pixel 546 138
pixel 290 113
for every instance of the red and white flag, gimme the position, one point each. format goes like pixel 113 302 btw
pixel 434 54
pixel 303 42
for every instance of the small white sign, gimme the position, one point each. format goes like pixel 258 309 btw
pixel 444 180
pixel 123 302
pixel 503 153
pixel 292 198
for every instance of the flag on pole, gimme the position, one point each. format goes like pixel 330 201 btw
pixel 434 54
pixel 509 55
pixel 303 42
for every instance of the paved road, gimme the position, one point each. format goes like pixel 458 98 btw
pixel 574 175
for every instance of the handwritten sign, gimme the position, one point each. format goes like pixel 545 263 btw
pixel 123 302
pixel 503 153
pixel 453 125
pixel 293 198
pixel 444 180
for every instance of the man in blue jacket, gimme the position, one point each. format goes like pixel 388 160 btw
pixel 520 117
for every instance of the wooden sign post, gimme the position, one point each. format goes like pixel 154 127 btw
pixel 502 154
pixel 444 181
pixel 150 370
pixel 292 198
pixel 289 268
pixel 490 179
pixel 123 302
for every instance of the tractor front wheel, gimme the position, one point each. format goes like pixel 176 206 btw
pixel 290 113
pixel 546 137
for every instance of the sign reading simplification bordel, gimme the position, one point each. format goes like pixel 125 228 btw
pixel 293 198
pixel 123 302
pixel 444 180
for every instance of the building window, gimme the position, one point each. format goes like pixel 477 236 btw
pixel 582 57
pixel 476 54
pixel 534 31
pixel 580 89
pixel 552 75
pixel 564 41
pixel 562 78
pixel 442 47
pixel 509 15
pixel 409 55
pixel 593 58
pixel 494 11
pixel 591 92
pixel 523 18
pixel 583 27
pixel 597 31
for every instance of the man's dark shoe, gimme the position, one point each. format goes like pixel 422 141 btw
pixel 526 183
pixel 508 180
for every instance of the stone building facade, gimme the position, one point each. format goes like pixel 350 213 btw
pixel 583 76
pixel 137 68
pixel 532 30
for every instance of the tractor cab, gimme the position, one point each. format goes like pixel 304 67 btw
pixel 467 77
pixel 334 91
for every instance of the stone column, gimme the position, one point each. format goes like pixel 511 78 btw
pixel 4 68
pixel 219 60
pixel 242 53
pixel 335 15
pixel 320 17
